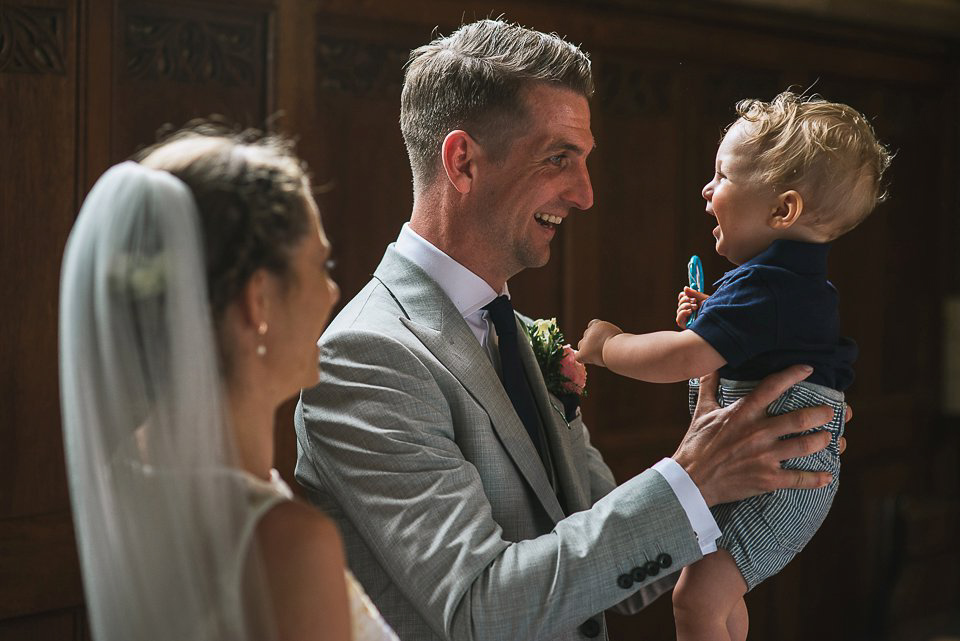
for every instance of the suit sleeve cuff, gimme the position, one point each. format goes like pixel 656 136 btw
pixel 701 520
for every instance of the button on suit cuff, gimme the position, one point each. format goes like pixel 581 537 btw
pixel 701 520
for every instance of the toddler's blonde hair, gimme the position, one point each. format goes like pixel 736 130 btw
pixel 827 151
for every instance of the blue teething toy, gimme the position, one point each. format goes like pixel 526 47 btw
pixel 695 278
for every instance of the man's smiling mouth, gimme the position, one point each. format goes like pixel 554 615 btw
pixel 547 220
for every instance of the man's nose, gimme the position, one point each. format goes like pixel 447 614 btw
pixel 580 193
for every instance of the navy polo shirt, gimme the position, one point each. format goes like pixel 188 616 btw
pixel 776 310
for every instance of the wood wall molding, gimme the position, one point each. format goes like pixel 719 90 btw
pixel 32 39
pixel 192 51
pixel 222 59
pixel 369 69
pixel 627 88
pixel 39 570
pixel 88 82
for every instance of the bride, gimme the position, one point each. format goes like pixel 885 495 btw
pixel 193 291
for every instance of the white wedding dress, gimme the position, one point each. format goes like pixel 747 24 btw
pixel 367 623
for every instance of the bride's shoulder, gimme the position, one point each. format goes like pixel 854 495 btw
pixel 302 555
pixel 297 527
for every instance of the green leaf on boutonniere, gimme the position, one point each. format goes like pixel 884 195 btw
pixel 561 371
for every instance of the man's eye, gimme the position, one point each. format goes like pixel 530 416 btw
pixel 330 264
pixel 559 160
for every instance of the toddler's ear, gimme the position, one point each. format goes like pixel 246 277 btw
pixel 789 208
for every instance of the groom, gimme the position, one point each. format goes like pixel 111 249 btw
pixel 472 505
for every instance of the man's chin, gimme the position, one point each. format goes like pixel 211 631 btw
pixel 531 259
pixel 542 260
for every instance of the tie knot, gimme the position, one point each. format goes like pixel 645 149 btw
pixel 501 313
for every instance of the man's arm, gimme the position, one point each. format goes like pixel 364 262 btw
pixel 380 434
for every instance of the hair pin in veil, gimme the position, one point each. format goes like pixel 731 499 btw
pixel 140 276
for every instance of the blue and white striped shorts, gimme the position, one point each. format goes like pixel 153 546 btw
pixel 765 532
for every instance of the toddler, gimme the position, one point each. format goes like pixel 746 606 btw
pixel 791 176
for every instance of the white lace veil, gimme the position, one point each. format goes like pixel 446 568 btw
pixel 161 521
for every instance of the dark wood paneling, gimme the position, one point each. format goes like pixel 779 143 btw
pixel 667 83
pixel 177 61
pixel 354 144
pixel 38 127
pixel 60 625
pixel 92 80
pixel 34 39
pixel 38 130
pixel 82 85
pixel 38 565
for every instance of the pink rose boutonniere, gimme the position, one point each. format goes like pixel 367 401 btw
pixel 565 377
pixel 574 372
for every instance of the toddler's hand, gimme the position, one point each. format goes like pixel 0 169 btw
pixel 687 301
pixel 590 347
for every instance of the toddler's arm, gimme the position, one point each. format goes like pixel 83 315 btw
pixel 658 357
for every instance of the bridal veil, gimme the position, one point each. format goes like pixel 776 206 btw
pixel 165 543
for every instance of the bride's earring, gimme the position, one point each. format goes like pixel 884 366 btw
pixel 262 331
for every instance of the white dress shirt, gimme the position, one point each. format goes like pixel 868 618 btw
pixel 469 293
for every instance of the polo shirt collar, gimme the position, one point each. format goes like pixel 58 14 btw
pixel 796 256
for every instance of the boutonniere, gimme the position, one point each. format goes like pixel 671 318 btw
pixel 566 378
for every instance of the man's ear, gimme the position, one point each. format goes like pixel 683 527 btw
pixel 458 154
pixel 789 208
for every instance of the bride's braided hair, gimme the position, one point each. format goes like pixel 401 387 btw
pixel 250 190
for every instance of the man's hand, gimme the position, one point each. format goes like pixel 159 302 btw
pixel 688 301
pixel 590 347
pixel 734 452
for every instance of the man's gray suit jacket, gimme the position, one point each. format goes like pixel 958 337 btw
pixel 410 443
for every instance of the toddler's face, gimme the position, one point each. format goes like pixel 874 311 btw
pixel 742 205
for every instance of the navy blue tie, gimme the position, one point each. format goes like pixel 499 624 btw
pixel 512 374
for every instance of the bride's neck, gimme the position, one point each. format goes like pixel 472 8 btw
pixel 251 418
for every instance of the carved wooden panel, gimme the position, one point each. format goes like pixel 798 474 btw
pixel 357 75
pixel 38 130
pixel 39 577
pixel 142 64
pixel 360 68
pixel 175 63
pixel 165 48
pixel 627 87
pixel 32 39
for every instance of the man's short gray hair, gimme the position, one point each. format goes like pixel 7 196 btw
pixel 472 80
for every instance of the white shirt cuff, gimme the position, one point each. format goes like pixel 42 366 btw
pixel 701 520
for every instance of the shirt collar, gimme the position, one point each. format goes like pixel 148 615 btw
pixel 467 291
pixel 796 256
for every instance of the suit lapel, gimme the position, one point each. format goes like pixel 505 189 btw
pixel 434 320
pixel 556 428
